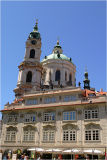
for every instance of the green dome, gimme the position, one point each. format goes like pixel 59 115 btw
pixel 57 56
pixel 35 34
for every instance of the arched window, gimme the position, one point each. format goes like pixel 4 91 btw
pixel 57 75
pixel 50 75
pixel 29 77
pixel 32 53
pixel 29 133
pixel 65 76
pixel 11 134
pixel 70 78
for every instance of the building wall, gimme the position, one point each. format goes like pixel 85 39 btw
pixel 58 125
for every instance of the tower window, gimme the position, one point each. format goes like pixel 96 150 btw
pixel 29 77
pixel 65 76
pixel 32 53
pixel 57 75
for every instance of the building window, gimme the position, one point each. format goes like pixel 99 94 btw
pixel 65 76
pixel 70 98
pixel 49 116
pixel 29 135
pixel 11 136
pixel 32 53
pixel 92 135
pixel 50 75
pixel 70 78
pixel 31 101
pixel 29 77
pixel 48 136
pixel 30 118
pixel 91 114
pixel 12 118
pixel 69 135
pixel 69 116
pixel 57 75
pixel 50 100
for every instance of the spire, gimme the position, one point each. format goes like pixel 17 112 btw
pixel 86 80
pixel 36 26
pixel 57 48
pixel 58 41
pixel 35 34
pixel 57 44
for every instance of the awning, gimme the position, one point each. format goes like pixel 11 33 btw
pixel 93 151
pixel 36 149
pixel 71 151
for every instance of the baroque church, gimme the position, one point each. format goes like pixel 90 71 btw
pixel 51 117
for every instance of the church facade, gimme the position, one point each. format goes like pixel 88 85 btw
pixel 49 110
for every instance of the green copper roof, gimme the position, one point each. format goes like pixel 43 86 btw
pixel 35 34
pixel 56 56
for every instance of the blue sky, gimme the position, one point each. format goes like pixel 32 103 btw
pixel 80 26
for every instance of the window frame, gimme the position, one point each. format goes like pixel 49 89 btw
pixel 68 98
pixel 29 118
pixel 48 136
pixel 92 134
pixel 31 101
pixel 91 114
pixel 27 134
pixel 48 100
pixel 69 133
pixel 13 118
pixel 10 135
pixel 69 116
pixel 48 117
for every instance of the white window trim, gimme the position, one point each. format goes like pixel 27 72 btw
pixel 50 116
pixel 9 135
pixel 69 130
pixel 29 116
pixel 48 132
pixel 91 118
pixel 92 135
pixel 28 136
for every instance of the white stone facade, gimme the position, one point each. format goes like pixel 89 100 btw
pixel 61 116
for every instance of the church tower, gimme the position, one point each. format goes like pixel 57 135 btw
pixel 30 69
pixel 86 81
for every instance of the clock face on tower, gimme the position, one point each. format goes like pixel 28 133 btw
pixel 33 42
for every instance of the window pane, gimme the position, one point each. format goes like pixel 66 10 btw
pixel 69 115
pixel 49 116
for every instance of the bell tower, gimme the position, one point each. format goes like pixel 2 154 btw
pixel 30 69
pixel 86 81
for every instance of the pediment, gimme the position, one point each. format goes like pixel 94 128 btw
pixel 70 126
pixel 49 126
pixel 29 127
pixel 92 126
pixel 11 128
